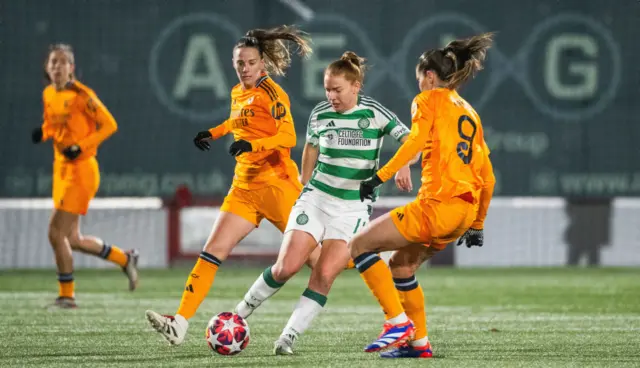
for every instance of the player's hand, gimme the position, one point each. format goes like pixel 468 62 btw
pixel 72 152
pixel 36 135
pixel 473 238
pixel 239 147
pixel 368 187
pixel 201 140
pixel 403 179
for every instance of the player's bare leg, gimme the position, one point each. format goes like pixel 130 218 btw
pixel 333 260
pixel 296 247
pixel 382 235
pixel 228 230
pixel 403 264
pixel 127 260
pixel 313 258
pixel 59 227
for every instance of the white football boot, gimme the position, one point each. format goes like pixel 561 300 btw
pixel 173 328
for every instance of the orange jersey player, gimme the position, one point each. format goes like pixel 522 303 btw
pixel 266 183
pixel 77 123
pixel 457 186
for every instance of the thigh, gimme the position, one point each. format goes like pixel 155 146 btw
pixel 277 202
pixel 334 257
pixel 378 236
pixel 228 230
pixel 64 222
pixel 240 202
pixel 296 248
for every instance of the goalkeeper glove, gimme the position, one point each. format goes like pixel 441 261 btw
pixel 201 140
pixel 368 187
pixel 36 135
pixel 472 237
pixel 72 152
pixel 239 147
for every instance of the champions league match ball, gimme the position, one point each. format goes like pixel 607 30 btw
pixel 227 334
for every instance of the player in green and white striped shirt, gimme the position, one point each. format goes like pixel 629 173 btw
pixel 344 138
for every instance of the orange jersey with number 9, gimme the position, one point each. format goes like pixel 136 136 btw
pixel 449 133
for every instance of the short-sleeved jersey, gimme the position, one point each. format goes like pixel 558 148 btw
pixel 449 133
pixel 75 115
pixel 262 116
pixel 349 145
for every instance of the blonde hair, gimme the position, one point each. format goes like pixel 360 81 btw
pixel 273 48
pixel 350 65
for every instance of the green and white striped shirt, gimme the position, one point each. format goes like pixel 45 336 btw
pixel 350 145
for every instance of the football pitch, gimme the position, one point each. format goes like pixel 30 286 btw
pixel 477 318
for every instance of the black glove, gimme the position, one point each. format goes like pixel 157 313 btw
pixel 72 152
pixel 473 238
pixel 36 135
pixel 239 147
pixel 368 187
pixel 201 140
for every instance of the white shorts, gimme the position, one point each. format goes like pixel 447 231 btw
pixel 326 217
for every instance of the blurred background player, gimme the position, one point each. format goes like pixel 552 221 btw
pixel 266 182
pixel 77 122
pixel 344 137
pixel 457 186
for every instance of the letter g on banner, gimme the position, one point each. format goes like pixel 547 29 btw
pixel 574 67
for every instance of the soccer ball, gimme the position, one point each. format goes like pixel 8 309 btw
pixel 227 333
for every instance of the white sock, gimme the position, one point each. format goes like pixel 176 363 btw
pixel 308 307
pixel 420 342
pixel 400 318
pixel 262 289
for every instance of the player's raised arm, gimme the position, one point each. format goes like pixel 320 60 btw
pixel 105 123
pixel 216 132
pixel 421 123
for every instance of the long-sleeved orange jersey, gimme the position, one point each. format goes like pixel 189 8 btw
pixel 261 116
pixel 75 115
pixel 455 157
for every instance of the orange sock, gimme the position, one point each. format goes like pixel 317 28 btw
pixel 412 298
pixel 114 254
pixel 351 265
pixel 377 276
pixel 66 285
pixel 198 284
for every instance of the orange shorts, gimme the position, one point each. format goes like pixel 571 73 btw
pixel 75 184
pixel 273 202
pixel 433 222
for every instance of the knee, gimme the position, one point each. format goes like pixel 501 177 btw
pixel 55 233
pixel 402 270
pixel 355 246
pixel 74 241
pixel 282 272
